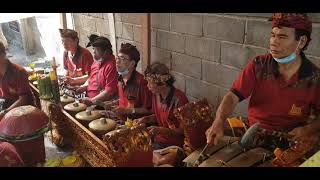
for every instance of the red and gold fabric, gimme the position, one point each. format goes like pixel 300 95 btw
pixel 292 20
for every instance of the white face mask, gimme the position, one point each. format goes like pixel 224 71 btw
pixel 124 72
pixel 289 58
pixel 99 60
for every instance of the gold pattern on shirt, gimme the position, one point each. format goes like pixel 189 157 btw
pixel 295 111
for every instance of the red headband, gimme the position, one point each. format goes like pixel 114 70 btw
pixel 68 33
pixel 292 20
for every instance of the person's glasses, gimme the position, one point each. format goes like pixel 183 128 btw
pixel 121 58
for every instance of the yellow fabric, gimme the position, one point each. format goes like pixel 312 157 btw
pixel 69 160
pixel 235 122
pixel 53 162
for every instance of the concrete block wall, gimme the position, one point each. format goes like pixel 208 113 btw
pixel 127 28
pixel 207 51
pixel 204 51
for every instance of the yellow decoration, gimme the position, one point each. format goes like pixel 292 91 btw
pixel 32 77
pixel 52 75
pixel 129 123
pixel 235 122
pixel 69 160
pixel 54 162
pixel 277 152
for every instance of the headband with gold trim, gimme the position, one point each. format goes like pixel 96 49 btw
pixel 158 78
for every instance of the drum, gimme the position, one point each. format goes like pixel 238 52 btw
pixel 24 127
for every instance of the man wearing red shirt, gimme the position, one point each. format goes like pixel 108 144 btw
pixel 134 95
pixel 14 84
pixel 165 99
pixel 102 82
pixel 284 85
pixel 77 60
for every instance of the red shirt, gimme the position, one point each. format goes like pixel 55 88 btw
pixel 103 76
pixel 135 89
pixel 164 114
pixel 14 84
pixel 82 59
pixel 275 103
pixel 9 156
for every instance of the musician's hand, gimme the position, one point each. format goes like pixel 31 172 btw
pixel 155 130
pixel 121 111
pixel 80 89
pixel 301 133
pixel 215 132
pixel 87 101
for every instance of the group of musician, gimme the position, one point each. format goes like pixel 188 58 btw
pixel 283 84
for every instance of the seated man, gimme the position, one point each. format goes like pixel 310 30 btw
pixel 134 95
pixel 284 85
pixel 14 84
pixel 165 99
pixel 102 82
pixel 77 60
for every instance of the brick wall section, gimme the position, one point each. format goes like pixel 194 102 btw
pixel 221 43
pixel 204 51
pixel 127 28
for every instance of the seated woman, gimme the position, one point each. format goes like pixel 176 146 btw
pixel 165 99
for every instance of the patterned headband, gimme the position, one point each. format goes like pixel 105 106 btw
pixel 158 78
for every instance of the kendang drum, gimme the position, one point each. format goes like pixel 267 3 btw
pixel 24 127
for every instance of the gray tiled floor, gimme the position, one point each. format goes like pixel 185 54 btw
pixel 52 150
